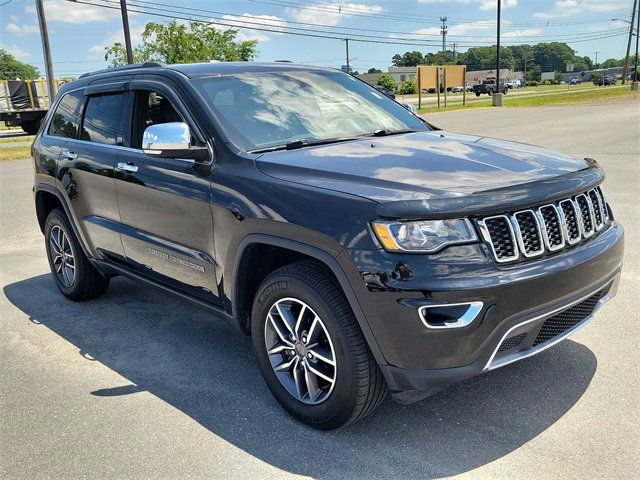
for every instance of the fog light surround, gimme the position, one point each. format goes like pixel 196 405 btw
pixel 449 315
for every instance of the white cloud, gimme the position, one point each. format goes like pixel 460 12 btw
pixel 453 30
pixel 97 51
pixel 566 8
pixel 493 4
pixel 270 22
pixel 331 13
pixel 78 13
pixel 16 51
pixel 522 33
pixel 21 29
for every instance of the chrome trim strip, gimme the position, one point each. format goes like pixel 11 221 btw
pixel 543 346
pixel 607 217
pixel 520 238
pixel 545 229
pixel 466 319
pixel 484 231
pixel 585 233
pixel 599 226
pixel 576 213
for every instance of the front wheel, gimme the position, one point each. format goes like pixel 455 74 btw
pixel 477 94
pixel 310 349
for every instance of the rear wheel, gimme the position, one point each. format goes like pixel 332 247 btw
pixel 310 349
pixel 477 94
pixel 72 272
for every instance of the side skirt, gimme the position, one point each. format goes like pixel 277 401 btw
pixel 108 267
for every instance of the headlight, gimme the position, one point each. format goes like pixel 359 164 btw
pixel 423 236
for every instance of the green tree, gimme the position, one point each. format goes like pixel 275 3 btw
pixel 611 62
pixel 553 56
pixel 387 82
pixel 484 58
pixel 12 68
pixel 439 58
pixel 374 70
pixel 408 59
pixel 193 42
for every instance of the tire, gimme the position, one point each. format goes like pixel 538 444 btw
pixel 477 94
pixel 78 282
pixel 358 386
pixel 491 92
pixel 31 126
pixel 506 90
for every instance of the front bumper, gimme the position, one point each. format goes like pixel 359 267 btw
pixel 517 301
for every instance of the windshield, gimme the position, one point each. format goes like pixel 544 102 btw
pixel 261 110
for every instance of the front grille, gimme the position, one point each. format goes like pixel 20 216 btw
pixel 563 321
pixel 511 342
pixel 545 229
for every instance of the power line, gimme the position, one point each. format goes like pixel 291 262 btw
pixel 180 13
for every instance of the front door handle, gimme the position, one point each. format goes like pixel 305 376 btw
pixel 69 155
pixel 127 167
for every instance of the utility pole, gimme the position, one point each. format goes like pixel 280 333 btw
pixel 443 32
pixel 634 84
pixel 455 53
pixel 346 42
pixel 46 51
pixel 596 65
pixel 626 58
pixel 127 33
pixel 497 96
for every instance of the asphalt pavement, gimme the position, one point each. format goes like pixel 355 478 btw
pixel 138 384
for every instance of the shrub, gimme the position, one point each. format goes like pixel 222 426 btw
pixel 408 88
pixel 387 82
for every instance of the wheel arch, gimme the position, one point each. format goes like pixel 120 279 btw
pixel 242 296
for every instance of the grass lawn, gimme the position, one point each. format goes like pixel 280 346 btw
pixel 26 138
pixel 14 153
pixel 553 98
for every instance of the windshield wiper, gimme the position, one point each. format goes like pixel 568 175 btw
pixel 295 144
pixel 385 133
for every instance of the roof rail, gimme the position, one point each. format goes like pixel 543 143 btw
pixel 131 66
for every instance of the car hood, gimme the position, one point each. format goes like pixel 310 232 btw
pixel 418 166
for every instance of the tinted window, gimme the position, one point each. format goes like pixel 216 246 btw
pixel 66 118
pixel 150 108
pixel 103 119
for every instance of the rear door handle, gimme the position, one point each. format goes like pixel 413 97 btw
pixel 127 167
pixel 69 155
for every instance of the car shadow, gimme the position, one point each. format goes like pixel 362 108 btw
pixel 206 369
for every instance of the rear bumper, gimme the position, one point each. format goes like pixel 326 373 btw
pixel 517 301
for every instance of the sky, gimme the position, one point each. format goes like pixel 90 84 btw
pixel 80 32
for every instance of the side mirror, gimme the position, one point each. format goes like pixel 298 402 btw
pixel 171 140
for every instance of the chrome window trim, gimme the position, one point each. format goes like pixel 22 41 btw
pixel 484 231
pixel 491 365
pixel 519 237
pixel 466 319
pixel 561 224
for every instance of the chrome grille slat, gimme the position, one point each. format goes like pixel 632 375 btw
pixel 531 233
pixel 553 230
pixel 528 235
pixel 586 215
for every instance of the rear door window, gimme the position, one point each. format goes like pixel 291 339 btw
pixel 66 117
pixel 104 118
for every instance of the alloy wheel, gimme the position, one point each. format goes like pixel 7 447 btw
pixel 64 264
pixel 300 350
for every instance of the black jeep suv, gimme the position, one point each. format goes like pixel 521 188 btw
pixel 363 250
